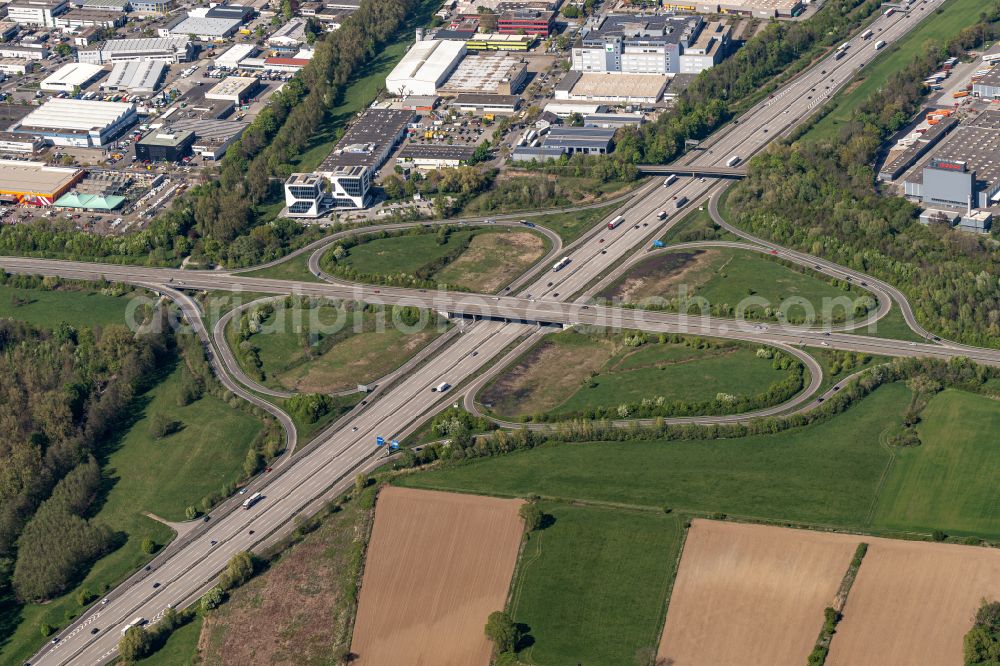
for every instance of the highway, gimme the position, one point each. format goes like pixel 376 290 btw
pixel 184 571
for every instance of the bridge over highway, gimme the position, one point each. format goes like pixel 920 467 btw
pixel 692 170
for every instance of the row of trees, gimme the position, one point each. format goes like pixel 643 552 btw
pixel 817 196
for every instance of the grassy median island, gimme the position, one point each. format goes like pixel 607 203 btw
pixel 592 585
pixel 728 277
pixel 480 259
pixel 321 346
pixel 585 373
pixel 50 303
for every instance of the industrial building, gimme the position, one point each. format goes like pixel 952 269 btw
pixel 613 120
pixel 755 8
pixel 212 137
pixel 350 167
pixel 173 49
pixel 471 102
pixel 75 122
pixel 586 140
pixel 280 64
pixel 235 89
pixel 435 157
pixel 424 67
pixel 609 87
pixel 72 76
pixel 654 44
pixel 165 146
pixel 107 5
pixel 21 144
pixel 75 19
pixel 234 55
pixel 988 86
pixel 487 73
pixel 289 37
pixel 912 149
pixel 135 76
pixel 16 66
pixel 496 42
pixel 204 28
pixel 526 21
pixel 95 202
pixel 34 183
pixel 26 51
pixel 36 12
pixel 153 6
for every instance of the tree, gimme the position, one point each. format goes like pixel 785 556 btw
pixel 982 643
pixel 500 629
pixel 160 426
pixel 64 50
pixel 212 598
pixel 239 570
pixel 148 546
pixel 571 11
pixel 531 515
pixel 190 512
pixel 253 462
pixel 135 644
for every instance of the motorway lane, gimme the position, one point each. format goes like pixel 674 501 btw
pixel 188 571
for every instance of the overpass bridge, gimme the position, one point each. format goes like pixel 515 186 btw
pixel 692 170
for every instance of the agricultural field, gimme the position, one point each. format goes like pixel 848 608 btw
pixel 80 308
pixel 949 481
pixel 827 473
pixel 942 25
pixel 725 277
pixel 148 475
pixel 752 595
pixel 438 564
pixel 913 602
pixel 298 612
pixel 572 373
pixel 328 347
pixel 592 584
pixel 479 260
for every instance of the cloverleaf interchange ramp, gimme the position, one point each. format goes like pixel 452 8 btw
pixel 331 460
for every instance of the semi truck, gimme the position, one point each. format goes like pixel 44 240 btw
pixel 867 34
pixel 561 264
pixel 614 223
pixel 441 388
pixel 253 499
pixel 669 180
pixel 879 44
pixel 733 161
pixel 680 202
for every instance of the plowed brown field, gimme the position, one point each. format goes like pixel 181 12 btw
pixel 752 595
pixel 913 602
pixel 438 565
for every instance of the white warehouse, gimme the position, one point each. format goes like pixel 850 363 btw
pixel 77 122
pixel 425 67
pixel 71 76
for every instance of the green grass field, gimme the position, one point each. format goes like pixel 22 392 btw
pixel 570 373
pixel 296 268
pixel 949 482
pixel 938 26
pixel 727 276
pixel 592 586
pixel 48 309
pixel 493 256
pixel 826 473
pixel 325 348
pixel 148 475
pixel 696 225
pixel 215 304
pixel 891 326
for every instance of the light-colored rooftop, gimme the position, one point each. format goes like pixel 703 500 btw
pixel 593 84
pixel 212 27
pixel 76 114
pixel 34 177
pixel 231 86
pixel 72 74
pixel 136 75
pixel 426 61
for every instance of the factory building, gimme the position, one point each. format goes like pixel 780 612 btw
pixel 72 76
pixel 212 137
pixel 505 104
pixel 496 42
pixel 107 5
pixel 234 55
pixel 988 86
pixel 435 157
pixel 204 28
pixel 16 66
pixel 633 44
pixel 165 146
pixel 34 183
pixel 173 49
pixel 36 12
pixel 75 122
pixel 350 168
pixel 25 51
pixel 153 6
pixel 756 8
pixel 487 73
pixel 235 89
pixel 586 140
pixel 425 67
pixel 135 76
pixel 609 87
pixel 288 38
pixel 526 21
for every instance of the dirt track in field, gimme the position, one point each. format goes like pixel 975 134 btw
pixel 752 595
pixel 913 602
pixel 438 564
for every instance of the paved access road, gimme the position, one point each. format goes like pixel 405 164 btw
pixel 183 572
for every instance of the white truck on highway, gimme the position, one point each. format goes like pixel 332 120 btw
pixel 879 44
pixel 669 180
pixel 137 622
pixel 253 499
pixel 867 34
pixel 733 161
pixel 441 388
pixel 561 264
